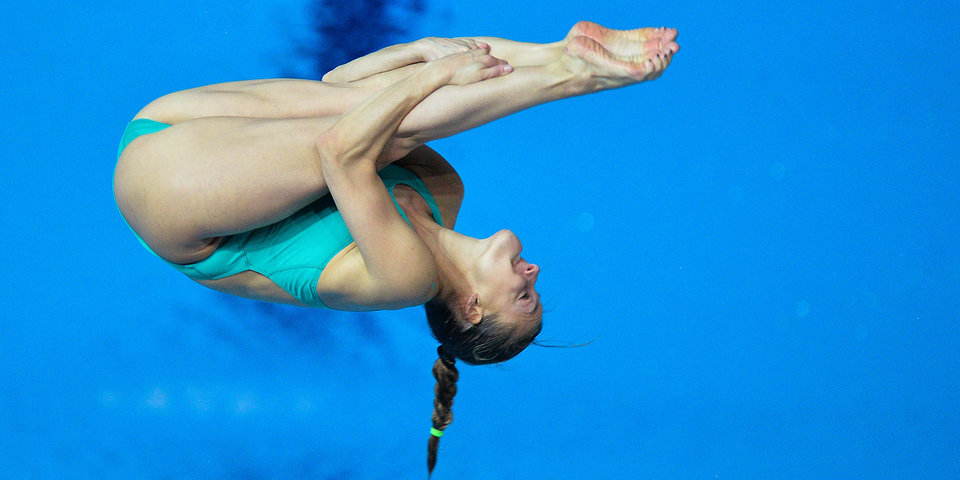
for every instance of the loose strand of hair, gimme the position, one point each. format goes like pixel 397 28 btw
pixel 558 345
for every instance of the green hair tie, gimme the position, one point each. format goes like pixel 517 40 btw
pixel 435 432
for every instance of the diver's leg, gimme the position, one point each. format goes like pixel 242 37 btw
pixel 213 176
pixel 578 65
pixel 624 43
pixel 400 55
pixel 628 43
pixel 267 98
pixel 517 54
pixel 294 98
pixel 522 54
pixel 583 67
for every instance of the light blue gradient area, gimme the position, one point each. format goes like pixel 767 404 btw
pixel 765 242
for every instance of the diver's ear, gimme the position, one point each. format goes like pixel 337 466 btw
pixel 472 311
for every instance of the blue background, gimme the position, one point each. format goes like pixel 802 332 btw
pixel 764 242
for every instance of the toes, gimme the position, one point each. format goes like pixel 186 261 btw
pixel 649 68
pixel 652 49
pixel 670 34
pixel 664 34
pixel 655 65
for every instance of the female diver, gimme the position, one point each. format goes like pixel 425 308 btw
pixel 323 194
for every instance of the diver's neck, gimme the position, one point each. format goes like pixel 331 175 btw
pixel 452 251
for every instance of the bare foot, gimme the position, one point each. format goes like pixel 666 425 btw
pixel 584 55
pixel 628 43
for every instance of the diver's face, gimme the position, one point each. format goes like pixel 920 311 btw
pixel 505 282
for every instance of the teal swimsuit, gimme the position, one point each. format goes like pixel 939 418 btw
pixel 294 251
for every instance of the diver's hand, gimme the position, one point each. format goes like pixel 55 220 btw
pixel 433 48
pixel 472 66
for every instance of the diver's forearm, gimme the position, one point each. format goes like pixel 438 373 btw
pixel 362 133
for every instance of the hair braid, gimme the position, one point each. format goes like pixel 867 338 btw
pixel 446 374
pixel 489 341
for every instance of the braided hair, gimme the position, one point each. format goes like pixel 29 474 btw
pixel 488 341
pixel 446 374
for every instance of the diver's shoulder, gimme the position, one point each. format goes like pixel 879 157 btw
pixel 441 179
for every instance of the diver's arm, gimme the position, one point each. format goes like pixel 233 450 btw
pixel 399 268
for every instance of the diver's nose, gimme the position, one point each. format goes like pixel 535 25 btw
pixel 531 270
